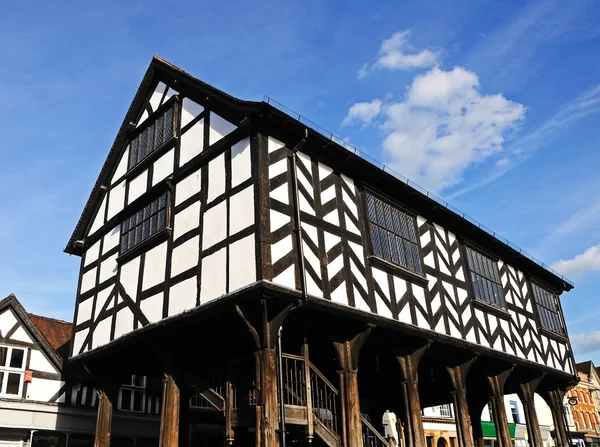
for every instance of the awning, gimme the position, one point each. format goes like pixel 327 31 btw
pixel 489 430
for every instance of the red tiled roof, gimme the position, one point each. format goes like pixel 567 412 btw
pixel 56 332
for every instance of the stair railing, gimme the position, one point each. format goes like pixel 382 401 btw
pixel 371 437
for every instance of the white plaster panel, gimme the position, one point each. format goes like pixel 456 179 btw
pixel 43 390
pixel 111 239
pixel 142 118
pixel 187 187
pixel 78 340
pixel 185 256
pixel 152 307
pixel 282 194
pixel 92 253
pixel 84 311
pixel 108 268
pixel 192 142
pixel 278 220
pixel 103 295
pixel 102 333
pixel 241 210
pixel 157 95
pixel 38 362
pixel 138 186
pixel 273 144
pixel 124 322
pixel 281 248
pixel 154 266
pixel 216 177
pixel 99 217
pixel 215 225
pixel 170 93
pixel 219 128
pixel 212 284
pixel 129 276
pixel 186 220
pixel 121 167
pixel 183 296
pixel 242 263
pixel 116 199
pixel 21 335
pixel 241 165
pixel 88 280
pixel 163 167
pixel 189 111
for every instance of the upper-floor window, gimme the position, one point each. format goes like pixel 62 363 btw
pixel 393 234
pixel 485 278
pixel 157 132
pixel 132 395
pixel 548 310
pixel 12 368
pixel 146 222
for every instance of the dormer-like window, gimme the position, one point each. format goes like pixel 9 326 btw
pixel 548 310
pixel 485 278
pixel 154 134
pixel 145 223
pixel 393 234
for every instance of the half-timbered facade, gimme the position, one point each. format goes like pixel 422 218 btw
pixel 224 240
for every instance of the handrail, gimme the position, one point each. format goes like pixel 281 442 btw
pixel 292 357
pixel 324 379
pixel 375 432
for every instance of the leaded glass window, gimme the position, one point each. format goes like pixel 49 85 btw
pixel 393 234
pixel 548 310
pixel 485 278
pixel 144 223
pixel 154 135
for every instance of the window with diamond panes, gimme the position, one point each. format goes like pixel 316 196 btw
pixel 143 224
pixel 154 135
pixel 485 278
pixel 548 310
pixel 393 234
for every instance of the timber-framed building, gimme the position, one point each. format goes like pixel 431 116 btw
pixel 296 287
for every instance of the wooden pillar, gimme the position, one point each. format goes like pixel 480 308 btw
pixel 409 364
pixel 264 333
pixel 347 353
pixel 497 380
pixel 526 394
pixel 458 378
pixel 106 397
pixel 169 413
pixel 309 408
pixel 554 398
pixel 476 405
pixel 229 433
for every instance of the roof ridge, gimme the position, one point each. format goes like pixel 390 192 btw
pixel 58 320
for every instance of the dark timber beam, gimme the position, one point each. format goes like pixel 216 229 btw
pixel 348 351
pixel 409 364
pixel 264 334
pixel 555 398
pixel 458 378
pixel 526 391
pixel 496 380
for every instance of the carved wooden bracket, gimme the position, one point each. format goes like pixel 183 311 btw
pixel 348 351
pixel 264 334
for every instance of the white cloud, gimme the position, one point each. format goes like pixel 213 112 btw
pixel 396 54
pixel 443 125
pixel 585 343
pixel 363 112
pixel 588 261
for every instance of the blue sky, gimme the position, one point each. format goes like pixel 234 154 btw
pixel 493 105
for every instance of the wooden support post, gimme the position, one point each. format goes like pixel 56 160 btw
pixel 229 433
pixel 347 353
pixel 554 398
pixel 264 335
pixel 497 380
pixel 106 397
pixel 169 414
pixel 409 364
pixel 526 394
pixel 310 429
pixel 458 378
pixel 344 427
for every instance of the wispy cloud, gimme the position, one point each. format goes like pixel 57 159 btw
pixel 585 262
pixel 586 343
pixel 396 53
pixel 521 149
pixel 443 125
